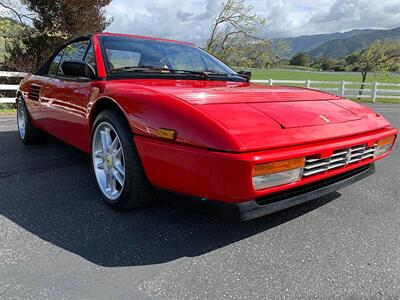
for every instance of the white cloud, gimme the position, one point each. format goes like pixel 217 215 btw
pixel 176 19
pixel 190 20
pixel 350 14
pixel 290 18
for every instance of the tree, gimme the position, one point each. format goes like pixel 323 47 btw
pixel 350 61
pixel 47 25
pixel 339 65
pixel 300 59
pixel 253 54
pixel 234 37
pixel 9 30
pixel 235 18
pixel 324 63
pixel 380 57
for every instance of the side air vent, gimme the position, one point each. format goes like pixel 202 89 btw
pixel 34 92
pixel 339 158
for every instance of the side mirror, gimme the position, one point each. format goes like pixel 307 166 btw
pixel 78 69
pixel 245 74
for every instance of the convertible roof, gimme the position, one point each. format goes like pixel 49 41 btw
pixel 143 37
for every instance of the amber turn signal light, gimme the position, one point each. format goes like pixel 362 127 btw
pixel 277 173
pixel 166 133
pixel 278 166
pixel 386 141
pixel 384 145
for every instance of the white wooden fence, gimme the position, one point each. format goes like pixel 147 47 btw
pixel 9 87
pixel 372 90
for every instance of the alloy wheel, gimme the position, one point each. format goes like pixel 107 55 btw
pixel 108 160
pixel 21 119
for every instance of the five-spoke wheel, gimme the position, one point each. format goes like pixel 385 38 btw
pixel 116 165
pixel 108 160
pixel 21 118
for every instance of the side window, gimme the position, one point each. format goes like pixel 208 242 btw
pixel 55 63
pixel 73 52
pixel 90 59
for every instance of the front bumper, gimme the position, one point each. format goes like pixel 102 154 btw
pixel 259 207
pixel 227 177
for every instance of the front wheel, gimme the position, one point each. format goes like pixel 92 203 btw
pixel 116 165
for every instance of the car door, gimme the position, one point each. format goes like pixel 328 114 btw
pixel 35 98
pixel 66 98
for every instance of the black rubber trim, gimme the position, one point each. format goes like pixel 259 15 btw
pixel 259 207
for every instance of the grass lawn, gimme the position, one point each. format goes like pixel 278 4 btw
pixel 7 111
pixel 315 75
pixel 284 74
pixel 7 108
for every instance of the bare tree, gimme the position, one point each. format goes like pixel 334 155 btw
pixel 18 15
pixel 235 18
pixel 234 32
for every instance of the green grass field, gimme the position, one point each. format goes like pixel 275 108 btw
pixel 318 76
pixel 284 74
pixel 6 111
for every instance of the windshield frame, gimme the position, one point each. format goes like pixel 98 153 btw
pixel 232 76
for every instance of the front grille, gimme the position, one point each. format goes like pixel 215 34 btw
pixel 339 158
pixel 34 92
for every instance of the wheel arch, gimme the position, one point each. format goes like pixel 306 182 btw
pixel 146 111
pixel 136 179
pixel 19 94
pixel 102 104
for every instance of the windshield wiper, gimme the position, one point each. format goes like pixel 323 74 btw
pixel 157 69
pixel 204 74
pixel 135 69
pixel 216 73
pixel 200 73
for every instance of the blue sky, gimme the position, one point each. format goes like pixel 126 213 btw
pixel 190 19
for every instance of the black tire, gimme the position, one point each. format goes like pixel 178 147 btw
pixel 30 135
pixel 137 191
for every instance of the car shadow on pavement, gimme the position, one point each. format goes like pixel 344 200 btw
pixel 49 191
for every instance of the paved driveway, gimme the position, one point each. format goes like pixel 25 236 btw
pixel 58 240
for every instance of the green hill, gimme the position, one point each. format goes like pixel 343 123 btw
pixel 342 47
pixel 337 44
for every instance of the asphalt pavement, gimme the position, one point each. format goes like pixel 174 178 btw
pixel 58 240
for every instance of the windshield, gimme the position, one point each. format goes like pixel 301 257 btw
pixel 136 56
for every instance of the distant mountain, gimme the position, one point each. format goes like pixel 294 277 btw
pixel 337 44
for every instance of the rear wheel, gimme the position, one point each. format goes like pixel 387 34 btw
pixel 116 165
pixel 27 132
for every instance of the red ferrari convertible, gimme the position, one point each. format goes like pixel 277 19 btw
pixel 165 116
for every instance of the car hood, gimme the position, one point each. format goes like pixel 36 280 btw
pixel 202 92
pixel 273 125
pixel 266 117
